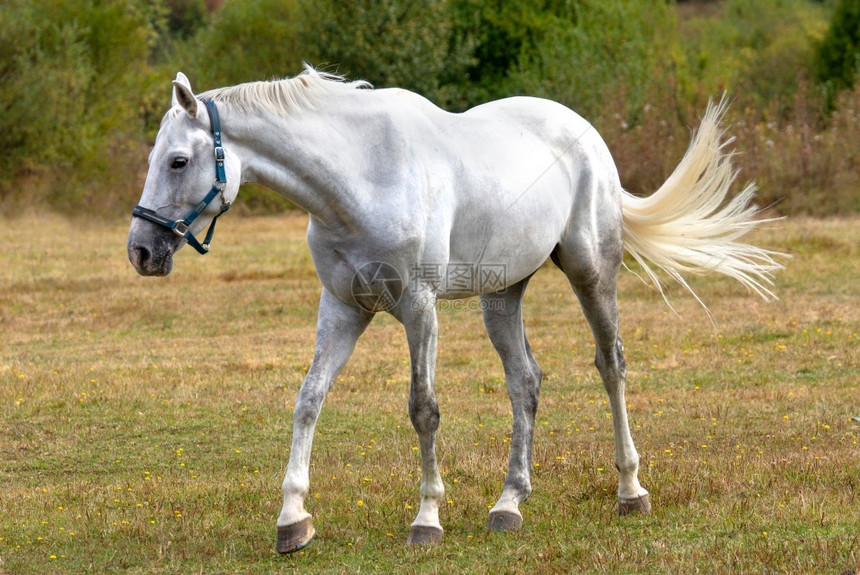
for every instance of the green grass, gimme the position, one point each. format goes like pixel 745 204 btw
pixel 145 423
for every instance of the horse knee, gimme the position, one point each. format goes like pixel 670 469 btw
pixel 307 410
pixel 531 384
pixel 524 392
pixel 424 416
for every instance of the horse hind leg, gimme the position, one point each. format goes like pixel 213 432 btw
pixel 503 320
pixel 593 274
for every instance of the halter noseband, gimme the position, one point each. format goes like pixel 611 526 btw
pixel 182 227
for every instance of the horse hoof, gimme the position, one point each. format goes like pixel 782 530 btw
pixel 636 505
pixel 504 521
pixel 296 536
pixel 423 534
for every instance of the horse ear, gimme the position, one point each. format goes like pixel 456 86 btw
pixel 183 96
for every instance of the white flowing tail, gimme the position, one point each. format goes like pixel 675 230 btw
pixel 682 228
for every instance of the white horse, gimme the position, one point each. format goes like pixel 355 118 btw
pixel 410 204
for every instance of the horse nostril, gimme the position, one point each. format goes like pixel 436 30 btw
pixel 139 256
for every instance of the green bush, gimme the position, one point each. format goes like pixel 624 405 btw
pixel 597 50
pixel 86 82
pixel 70 69
pixel 406 43
pixel 46 68
pixel 760 51
pixel 245 41
pixel 498 34
pixel 837 59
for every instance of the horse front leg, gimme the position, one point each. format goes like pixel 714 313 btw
pixel 419 319
pixel 338 329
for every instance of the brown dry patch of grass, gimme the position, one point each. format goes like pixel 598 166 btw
pixel 145 422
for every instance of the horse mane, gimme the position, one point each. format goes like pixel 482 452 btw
pixel 286 95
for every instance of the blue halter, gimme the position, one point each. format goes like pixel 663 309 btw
pixel 182 227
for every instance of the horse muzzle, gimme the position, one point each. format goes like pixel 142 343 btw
pixel 147 264
pixel 151 253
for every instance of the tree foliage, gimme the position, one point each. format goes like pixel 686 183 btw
pixel 244 41
pixel 85 82
pixel 70 69
pixel 65 75
pixel 837 60
pixel 408 43
pixel 758 50
pixel 585 55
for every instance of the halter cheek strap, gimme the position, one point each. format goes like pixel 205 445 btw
pixel 182 227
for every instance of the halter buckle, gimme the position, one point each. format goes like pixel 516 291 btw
pixel 180 228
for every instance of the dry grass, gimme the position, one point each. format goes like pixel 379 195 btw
pixel 145 423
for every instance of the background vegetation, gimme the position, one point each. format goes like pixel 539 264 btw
pixel 85 82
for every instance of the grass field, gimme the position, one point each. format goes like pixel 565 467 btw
pixel 146 422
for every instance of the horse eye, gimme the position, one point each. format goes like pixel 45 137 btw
pixel 179 163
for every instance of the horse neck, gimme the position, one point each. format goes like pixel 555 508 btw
pixel 306 157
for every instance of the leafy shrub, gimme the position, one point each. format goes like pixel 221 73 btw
pixel 68 69
pixel 406 43
pixel 86 82
pixel 757 50
pixel 837 59
pixel 799 166
pixel 245 41
pixel 599 49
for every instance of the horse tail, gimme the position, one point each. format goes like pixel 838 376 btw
pixel 682 228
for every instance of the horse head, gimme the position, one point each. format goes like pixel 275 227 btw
pixel 175 206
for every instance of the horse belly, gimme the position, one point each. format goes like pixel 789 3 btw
pixel 509 233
